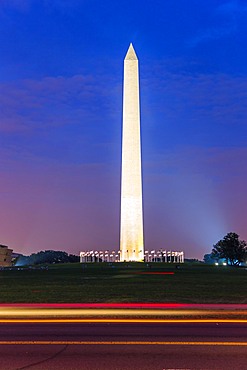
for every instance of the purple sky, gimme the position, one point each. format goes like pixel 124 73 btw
pixel 61 71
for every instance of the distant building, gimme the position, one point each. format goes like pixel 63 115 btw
pixel 5 256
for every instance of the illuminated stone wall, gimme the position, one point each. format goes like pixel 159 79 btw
pixel 5 256
pixel 131 229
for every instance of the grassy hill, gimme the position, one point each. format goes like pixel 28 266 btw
pixel 124 282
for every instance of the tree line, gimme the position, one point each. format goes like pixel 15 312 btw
pixel 48 256
pixel 231 249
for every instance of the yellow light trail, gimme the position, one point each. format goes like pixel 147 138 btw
pixel 126 343
pixel 64 313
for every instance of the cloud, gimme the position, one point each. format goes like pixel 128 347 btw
pixel 24 5
pixel 217 163
pixel 21 5
pixel 232 9
pixel 210 34
pixel 227 17
pixel 58 206
pixel 63 3
pixel 198 193
pixel 197 103
pixel 71 119
pixel 52 101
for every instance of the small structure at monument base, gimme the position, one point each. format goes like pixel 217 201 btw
pixel 164 256
pixel 99 256
pixel 160 255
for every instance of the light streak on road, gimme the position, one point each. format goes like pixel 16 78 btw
pixel 122 312
pixel 49 312
pixel 63 312
pixel 36 312
pixel 125 321
pixel 210 306
pixel 129 343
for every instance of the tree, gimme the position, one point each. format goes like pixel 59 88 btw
pixel 48 256
pixel 210 259
pixel 231 248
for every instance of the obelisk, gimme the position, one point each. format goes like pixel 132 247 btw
pixel 131 218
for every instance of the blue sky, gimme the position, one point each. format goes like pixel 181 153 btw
pixel 61 77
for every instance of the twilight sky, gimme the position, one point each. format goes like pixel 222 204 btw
pixel 61 72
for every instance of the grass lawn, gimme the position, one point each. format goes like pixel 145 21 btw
pixel 125 282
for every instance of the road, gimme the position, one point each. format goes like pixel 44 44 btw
pixel 123 346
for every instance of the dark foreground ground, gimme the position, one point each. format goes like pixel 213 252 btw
pixel 125 282
pixel 123 346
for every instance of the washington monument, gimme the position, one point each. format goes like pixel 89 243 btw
pixel 131 228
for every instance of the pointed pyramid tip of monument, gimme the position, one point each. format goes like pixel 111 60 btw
pixel 131 54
